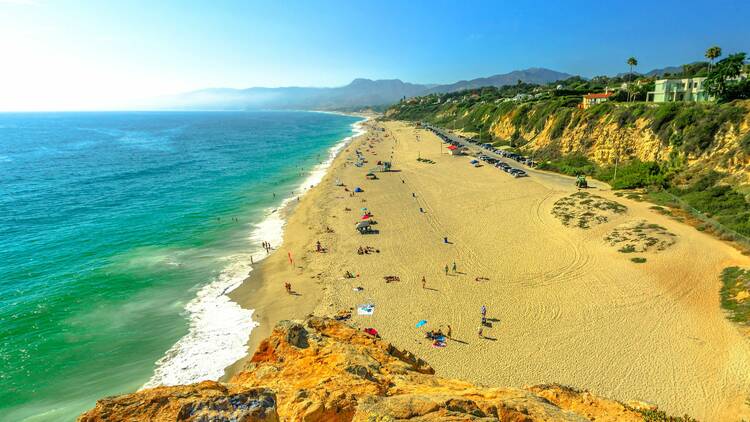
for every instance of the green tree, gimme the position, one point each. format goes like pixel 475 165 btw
pixel 632 62
pixel 712 54
pixel 719 82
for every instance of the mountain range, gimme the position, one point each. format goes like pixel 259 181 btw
pixel 360 93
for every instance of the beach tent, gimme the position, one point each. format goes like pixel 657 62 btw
pixel 454 150
pixel 363 224
pixel 358 189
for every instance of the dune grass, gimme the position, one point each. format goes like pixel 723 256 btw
pixel 735 294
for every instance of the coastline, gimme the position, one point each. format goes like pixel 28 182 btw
pixel 212 312
pixel 564 306
pixel 255 294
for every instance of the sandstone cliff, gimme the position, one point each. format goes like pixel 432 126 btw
pixel 688 138
pixel 323 370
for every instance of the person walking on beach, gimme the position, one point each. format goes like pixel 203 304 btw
pixel 455 269
pixel 424 282
pixel 446 269
pixel 288 287
pixel 484 315
pixel 481 331
pixel 449 332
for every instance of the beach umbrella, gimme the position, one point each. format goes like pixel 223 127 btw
pixel 365 217
pixel 421 323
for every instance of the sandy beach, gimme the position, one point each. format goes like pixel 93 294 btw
pixel 563 304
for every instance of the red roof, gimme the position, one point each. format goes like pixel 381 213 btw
pixel 600 95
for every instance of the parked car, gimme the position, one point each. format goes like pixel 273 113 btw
pixel 518 173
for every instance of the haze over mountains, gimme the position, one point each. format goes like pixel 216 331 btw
pixel 358 94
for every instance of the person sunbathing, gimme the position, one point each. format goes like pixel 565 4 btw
pixel 434 334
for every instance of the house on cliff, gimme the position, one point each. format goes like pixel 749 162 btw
pixel 594 99
pixel 672 90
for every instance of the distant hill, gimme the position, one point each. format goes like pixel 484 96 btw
pixel 359 93
pixel 533 75
pixel 660 72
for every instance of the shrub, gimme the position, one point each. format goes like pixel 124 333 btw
pixel 638 260
pixel 634 174
pixel 745 143
pixel 572 165
pixel 627 249
pixel 726 205
pixel 521 115
pixel 663 115
pixel 562 118
pixel 735 281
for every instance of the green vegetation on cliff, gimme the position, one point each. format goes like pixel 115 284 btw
pixel 694 151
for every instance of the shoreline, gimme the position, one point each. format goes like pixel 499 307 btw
pixel 212 312
pixel 253 293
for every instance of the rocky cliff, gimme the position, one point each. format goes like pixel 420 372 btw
pixel 685 138
pixel 323 370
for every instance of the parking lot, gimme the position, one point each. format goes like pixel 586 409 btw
pixel 496 157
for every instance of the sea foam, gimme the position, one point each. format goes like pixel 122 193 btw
pixel 219 327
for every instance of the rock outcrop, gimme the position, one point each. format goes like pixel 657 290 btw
pixel 323 370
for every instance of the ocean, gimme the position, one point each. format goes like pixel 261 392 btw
pixel 122 232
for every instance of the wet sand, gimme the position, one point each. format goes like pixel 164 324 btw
pixel 563 304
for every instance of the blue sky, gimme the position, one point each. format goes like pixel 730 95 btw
pixel 62 54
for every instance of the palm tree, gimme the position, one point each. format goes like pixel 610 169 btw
pixel 712 54
pixel 632 62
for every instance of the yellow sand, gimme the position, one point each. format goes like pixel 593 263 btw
pixel 565 306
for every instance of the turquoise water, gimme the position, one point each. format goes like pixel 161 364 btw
pixel 112 224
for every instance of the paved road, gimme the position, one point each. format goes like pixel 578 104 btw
pixel 549 179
